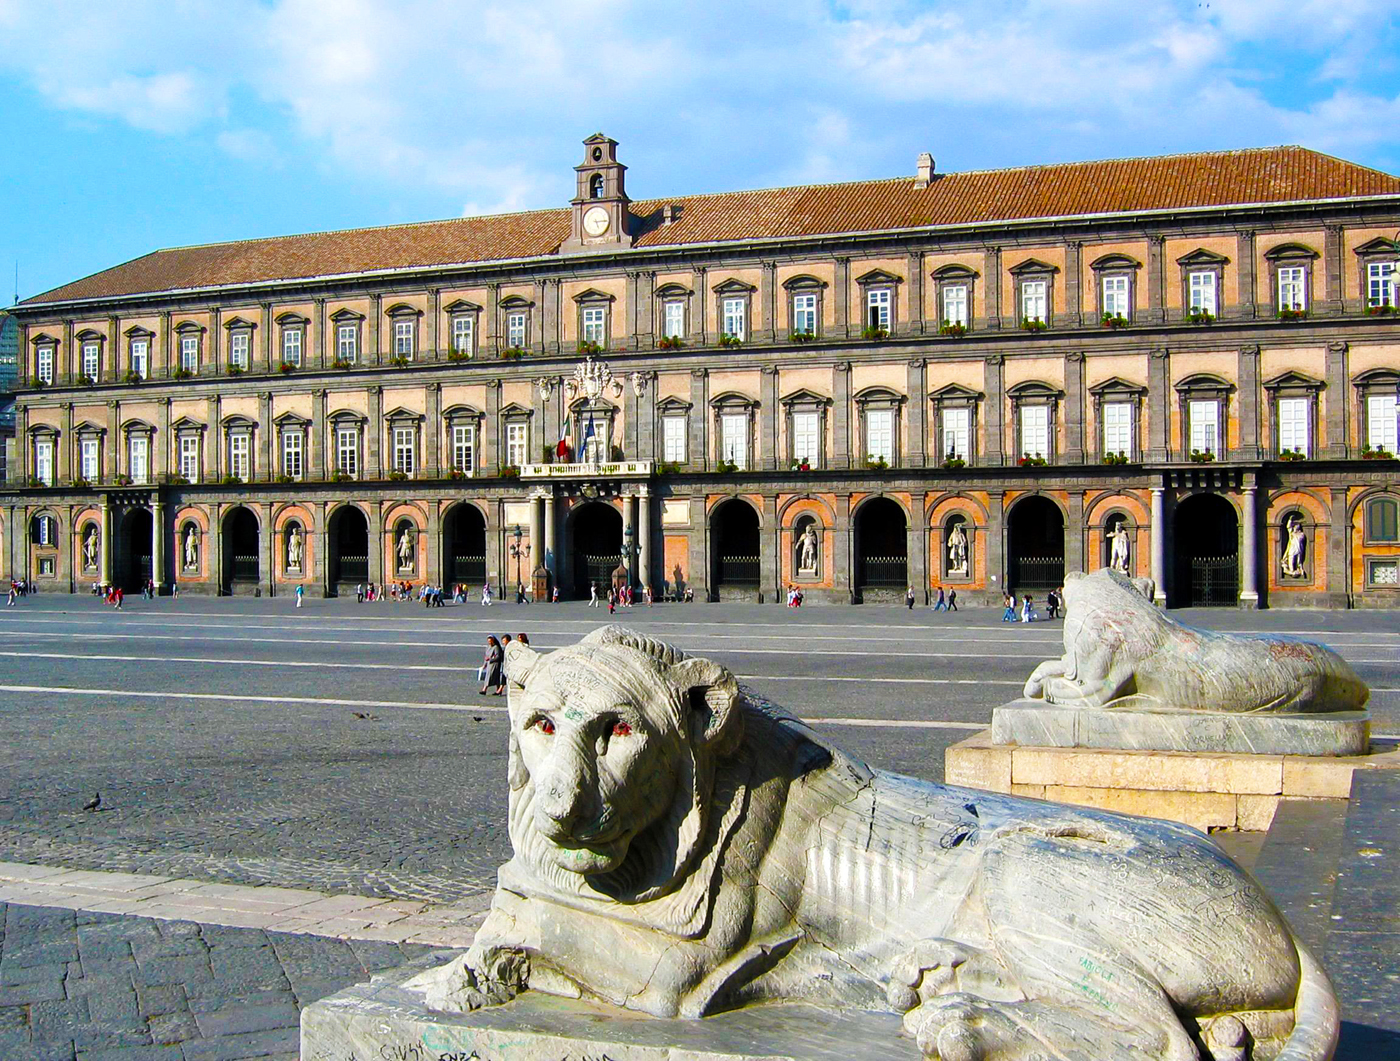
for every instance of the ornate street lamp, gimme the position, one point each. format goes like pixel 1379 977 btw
pixel 518 553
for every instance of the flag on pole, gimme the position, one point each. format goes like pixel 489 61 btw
pixel 562 450
pixel 588 434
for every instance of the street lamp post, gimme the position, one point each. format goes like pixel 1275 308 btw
pixel 627 552
pixel 518 552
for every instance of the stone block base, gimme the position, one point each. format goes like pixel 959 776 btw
pixel 1210 790
pixel 1034 722
pixel 384 1019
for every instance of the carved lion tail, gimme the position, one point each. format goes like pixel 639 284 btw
pixel 1316 1015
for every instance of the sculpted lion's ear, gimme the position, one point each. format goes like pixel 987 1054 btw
pixel 520 661
pixel 712 694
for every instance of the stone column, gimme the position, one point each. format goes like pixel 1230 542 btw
pixel 212 546
pixel 319 315
pixel 767 310
pixel 12 534
pixel 106 544
pixel 629 419
pixel 374 434
pixel 162 457
pixel 1075 534
pixel 995 545
pixel 991 290
pixel 65 454
pixel 266 343
pixel 551 327
pixel 644 573
pixel 698 572
pixel 699 451
pixel 1074 267
pixel 434 324
pixel 214 364
pixel 1159 544
pixel 914 266
pixel 158 543
pixel 267 575
pixel 841 292
pixel 916 380
pixel 1074 408
pixel 166 341
pixel 646 418
pixel 551 561
pixel 319 538
pixel 1156 278
pixel 1249 546
pixel 264 472
pixel 628 341
pixel 318 433
pixel 629 531
pixel 1248 372
pixel 917 548
pixel 432 429
pixel 1159 414
pixel 114 441
pixel 994 414
pixel 842 585
pixel 489 460
pixel 1244 256
pixel 112 351
pixel 841 415
pixel 376 543
pixel 768 418
pixel 537 547
pixel 1338 551
pixel 697 306
pixel 1332 269
pixel 1337 397
pixel 376 330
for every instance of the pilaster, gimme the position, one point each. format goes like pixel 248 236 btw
pixel 490 443
pixel 1249 544
pixel 1156 278
pixel 646 418
pixel 213 433
pixel 158 543
pixel 1337 402
pixel 114 441
pixel 264 472
pixel 995 545
pixel 434 324
pixel 916 381
pixel 1159 412
pixel 768 302
pixel 1075 533
pixel 698 295
pixel 1249 398
pixel 374 436
pixel 991 287
pixel 1159 545
pixel 65 455
pixel 1074 266
pixel 1332 269
pixel 841 566
pixel 770 578
pixel 768 418
pixel 841 415
pixel 269 364
pixel 553 333
pixel 319 312
pixel 1074 408
pixel 699 445
pixel 214 361
pixel 162 457
pixel 111 352
pixel 841 292
pixel 699 573
pixel 914 269
pixel 1339 585
pixel 318 433
pixel 1246 270
pixel 432 431
pixel 376 330
pixel 994 414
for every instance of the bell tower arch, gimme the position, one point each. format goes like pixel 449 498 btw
pixel 601 219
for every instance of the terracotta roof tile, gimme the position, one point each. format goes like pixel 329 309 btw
pixel 1261 175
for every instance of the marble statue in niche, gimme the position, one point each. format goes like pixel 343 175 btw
pixel 682 846
pixel 405 549
pixel 294 548
pixel 957 550
pixel 90 546
pixel 809 550
pixel 1120 542
pixel 191 548
pixel 1123 651
pixel 1295 549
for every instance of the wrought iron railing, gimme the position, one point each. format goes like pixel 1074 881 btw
pixel 738 571
pixel 884 570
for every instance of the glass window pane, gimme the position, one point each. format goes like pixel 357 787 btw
pixel 1205 426
pixel 1033 298
pixel 516 444
pixel 1115 296
pixel 463 333
pixel 92 360
pixel 346 343
pixel 138 459
pixel 673 439
pixel 734 439
pixel 957 434
pixel 403 338
pixel 804 314
pixel 1118 428
pixel 1380 422
pixel 1202 288
pixel 89 460
pixel 1291 292
pixel 805 439
pixel 347 450
pixel 673 324
pixel 955 304
pixel 734 317
pixel 189 353
pixel 464 447
pixel 43 461
pixel 189 457
pixel 1293 424
pixel 1380 284
pixel 879 435
pixel 1035 431
pixel 515 329
pixel 139 348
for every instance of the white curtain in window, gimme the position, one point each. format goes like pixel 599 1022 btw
pixel 1205 426
pixel 673 439
pixel 1033 299
pixel 957 433
pixel 734 439
pixel 1202 286
pixel 516 444
pixel 805 439
pixel 1115 296
pixel 955 304
pixel 1035 430
pixel 1293 424
pixel 1118 428
pixel 673 324
pixel 879 435
pixel 1380 421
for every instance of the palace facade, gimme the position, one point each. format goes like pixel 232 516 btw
pixel 1185 366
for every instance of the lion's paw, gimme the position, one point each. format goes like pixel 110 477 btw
pixel 925 970
pixel 457 987
pixel 961 1027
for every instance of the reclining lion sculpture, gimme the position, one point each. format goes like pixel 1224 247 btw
pixel 1122 651
pixel 681 847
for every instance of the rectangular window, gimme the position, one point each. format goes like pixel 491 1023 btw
pixel 878 302
pixel 139 357
pixel 673 320
pixel 347 343
pixel 1291 292
pixel 463 336
pixel 734 439
pixel 879 435
pixel 347 451
pixel 957 434
pixel 138 459
pixel 238 346
pixel 595 325
pixel 1204 431
pixel 189 457
pixel 1034 296
pixel 955 304
pixel 673 439
pixel 189 353
pixel 291 346
pixel 1118 428
pixel 1381 522
pixel 405 449
pixel 806 440
pixel 1293 424
pixel 43 460
pixel 1380 284
pixel 804 314
pixel 1381 572
pixel 1035 431
pixel 43 366
pixel 1380 422
pixel 293 443
pixel 516 329
pixel 518 444
pixel 91 454
pixel 1115 296
pixel 92 360
pixel 464 447
pixel 240 456
pixel 1202 292
pixel 734 317
pixel 403 339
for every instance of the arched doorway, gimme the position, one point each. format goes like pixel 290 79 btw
pixel 1035 545
pixel 882 546
pixel 240 550
pixel 134 558
pixel 734 558
pixel 1206 547
pixel 596 535
pixel 464 546
pixel 349 552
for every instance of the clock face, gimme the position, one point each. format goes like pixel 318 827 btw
pixel 595 221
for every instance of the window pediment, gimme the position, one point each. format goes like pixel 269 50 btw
pixel 87 335
pixel 733 287
pixel 42 339
pixel 235 323
pixel 596 406
pixel 878 276
pixel 136 331
pixel 1291 252
pixel 403 309
pixel 1377 378
pixel 238 422
pixel 43 431
pixel 461 412
pixel 1032 267
pixel 516 411
pixel 955 392
pixel 673 291
pixel 292 320
pixel 186 424
pixel 673 405
pixel 347 417
pixel 515 302
pixel 955 271
pixel 189 328
pixel 879 396
pixel 459 306
pixel 1379 245
pixel 733 401
pixel 1117 387
pixel 805 282
pixel 1292 380
pixel 1114 261
pixel 399 414
pixel 1204 384
pixel 136 426
pixel 1033 390
pixel 806 397
pixel 1201 256
pixel 592 294
pixel 290 419
pixel 346 316
pixel 87 427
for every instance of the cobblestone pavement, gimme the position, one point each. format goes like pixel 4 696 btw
pixel 78 986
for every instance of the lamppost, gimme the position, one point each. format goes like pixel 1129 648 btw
pixel 518 553
pixel 627 552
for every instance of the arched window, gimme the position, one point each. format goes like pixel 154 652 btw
pixel 1381 520
pixel 595 186
pixel 44 531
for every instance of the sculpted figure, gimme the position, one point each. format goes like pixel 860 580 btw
pixel 807 549
pixel 1122 651
pixel 294 548
pixel 1118 558
pixel 682 847
pixel 1293 551
pixel 957 551
pixel 90 549
pixel 405 549
pixel 191 549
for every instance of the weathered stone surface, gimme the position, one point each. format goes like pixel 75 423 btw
pixel 1213 772
pixel 1123 651
pixel 684 849
pixel 1034 723
pixel 1200 810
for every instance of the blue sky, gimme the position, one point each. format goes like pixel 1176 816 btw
pixel 138 124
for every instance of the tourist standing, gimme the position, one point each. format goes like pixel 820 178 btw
pixel 909 598
pixel 301 592
pixel 593 594
pixel 486 595
pixel 952 600
pixel 1009 615
pixel 12 595
pixel 491 669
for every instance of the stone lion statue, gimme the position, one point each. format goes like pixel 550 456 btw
pixel 681 847
pixel 1122 651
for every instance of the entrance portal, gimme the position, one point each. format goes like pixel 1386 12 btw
pixel 464 546
pixel 734 526
pixel 1035 546
pixel 1206 544
pixel 349 559
pixel 596 535
pixel 882 546
pixel 134 568
pixel 240 549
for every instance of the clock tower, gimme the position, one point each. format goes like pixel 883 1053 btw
pixel 600 216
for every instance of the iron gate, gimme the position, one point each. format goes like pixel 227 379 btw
pixel 598 570
pixel 468 569
pixel 884 570
pixel 352 569
pixel 738 571
pixel 245 568
pixel 1215 581
pixel 1036 572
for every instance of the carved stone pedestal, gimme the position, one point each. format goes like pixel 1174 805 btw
pixel 384 1019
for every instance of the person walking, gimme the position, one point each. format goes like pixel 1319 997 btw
pixel 942 603
pixel 486 595
pixel 593 594
pixel 12 595
pixel 1009 615
pixel 1052 603
pixel 501 685
pixel 909 598
pixel 554 595
pixel 1028 610
pixel 119 595
pixel 301 592
pixel 491 669
pixel 952 600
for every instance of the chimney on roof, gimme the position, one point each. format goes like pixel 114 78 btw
pixel 670 213
pixel 923 177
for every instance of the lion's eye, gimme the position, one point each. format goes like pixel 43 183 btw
pixel 621 729
pixel 545 726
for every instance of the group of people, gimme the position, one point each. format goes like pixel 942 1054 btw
pixel 795 595
pixel 1025 612
pixel 941 602
pixel 493 670
pixel 20 587
pixel 618 597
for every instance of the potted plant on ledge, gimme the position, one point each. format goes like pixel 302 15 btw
pixel 1379 453
pixel 957 329
pixel 1113 320
pixel 1202 456
pixel 670 342
pixel 1031 460
pixel 1292 455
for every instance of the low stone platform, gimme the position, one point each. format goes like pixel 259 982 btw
pixel 1210 790
pixel 384 1019
pixel 1038 724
